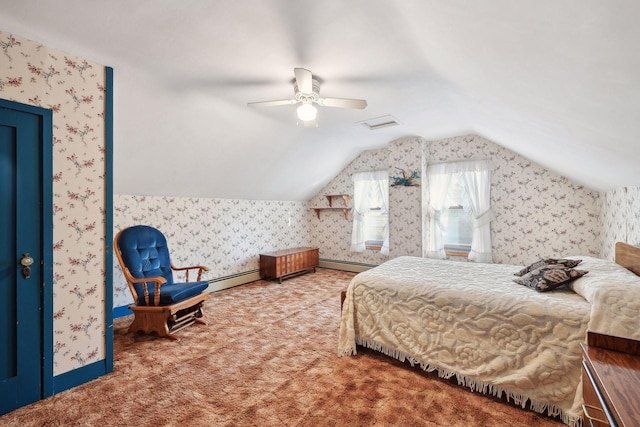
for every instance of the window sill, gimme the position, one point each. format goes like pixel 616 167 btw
pixel 373 248
pixel 457 253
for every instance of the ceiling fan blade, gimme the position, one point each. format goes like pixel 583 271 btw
pixel 273 103
pixel 303 80
pixel 342 103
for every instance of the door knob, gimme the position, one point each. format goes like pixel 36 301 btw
pixel 26 262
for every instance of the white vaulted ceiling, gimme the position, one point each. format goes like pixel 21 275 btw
pixel 555 81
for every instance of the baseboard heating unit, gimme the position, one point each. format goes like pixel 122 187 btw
pixel 355 267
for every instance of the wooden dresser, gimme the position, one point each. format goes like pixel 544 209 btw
pixel 611 381
pixel 288 262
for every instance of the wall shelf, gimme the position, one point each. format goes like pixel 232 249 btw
pixel 330 198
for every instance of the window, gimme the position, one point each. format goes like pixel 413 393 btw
pixel 370 212
pixel 457 210
pixel 457 222
pixel 375 222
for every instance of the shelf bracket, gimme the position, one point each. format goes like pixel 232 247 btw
pixel 330 197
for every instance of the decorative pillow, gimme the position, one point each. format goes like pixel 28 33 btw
pixel 560 262
pixel 549 277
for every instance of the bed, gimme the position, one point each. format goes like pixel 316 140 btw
pixel 495 336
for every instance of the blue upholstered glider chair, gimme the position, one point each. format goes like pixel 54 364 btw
pixel 160 304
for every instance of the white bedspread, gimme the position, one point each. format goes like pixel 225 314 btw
pixel 472 321
pixel 614 293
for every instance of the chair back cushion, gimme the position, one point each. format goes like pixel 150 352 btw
pixel 145 253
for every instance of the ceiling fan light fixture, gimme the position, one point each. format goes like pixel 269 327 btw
pixel 307 112
pixel 307 93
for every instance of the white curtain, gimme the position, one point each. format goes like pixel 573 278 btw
pixel 439 177
pixel 369 187
pixel 476 175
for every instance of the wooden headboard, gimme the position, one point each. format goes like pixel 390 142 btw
pixel 628 256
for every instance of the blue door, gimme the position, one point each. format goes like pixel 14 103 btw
pixel 21 272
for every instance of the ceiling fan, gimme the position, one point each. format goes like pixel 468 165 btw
pixel 306 93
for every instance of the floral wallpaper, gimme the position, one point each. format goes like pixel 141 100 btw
pixel 225 235
pixel 405 206
pixel 614 220
pixel 620 218
pixel 73 88
pixel 538 213
pixel 633 216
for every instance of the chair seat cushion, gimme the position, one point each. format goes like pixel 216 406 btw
pixel 175 292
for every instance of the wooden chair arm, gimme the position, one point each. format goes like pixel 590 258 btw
pixel 201 269
pixel 157 280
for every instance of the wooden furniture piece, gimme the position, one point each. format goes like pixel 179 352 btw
pixel 288 262
pixel 330 197
pixel 160 305
pixel 611 381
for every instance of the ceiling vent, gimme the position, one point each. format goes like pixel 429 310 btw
pixel 380 122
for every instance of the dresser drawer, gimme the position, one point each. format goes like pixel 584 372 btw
pixel 594 413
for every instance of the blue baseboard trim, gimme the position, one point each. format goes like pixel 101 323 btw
pixel 121 311
pixel 79 376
